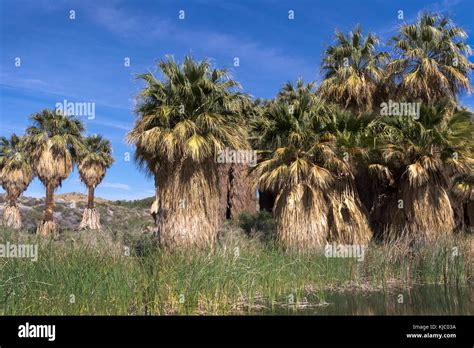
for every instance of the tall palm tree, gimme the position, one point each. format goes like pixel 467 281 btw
pixel 431 59
pixel 295 158
pixel 15 176
pixel 53 140
pixel 94 160
pixel 352 70
pixel 183 122
pixel 418 158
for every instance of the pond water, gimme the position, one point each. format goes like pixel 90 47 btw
pixel 421 300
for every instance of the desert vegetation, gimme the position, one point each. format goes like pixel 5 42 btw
pixel 120 271
pixel 333 164
pixel 379 154
pixel 320 145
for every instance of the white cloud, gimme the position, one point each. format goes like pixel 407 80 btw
pixel 260 57
pixel 116 185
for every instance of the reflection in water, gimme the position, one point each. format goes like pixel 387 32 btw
pixel 422 300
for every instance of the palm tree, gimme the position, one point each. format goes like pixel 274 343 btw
pixel 348 215
pixel 294 163
pixel 94 160
pixel 183 122
pixel 418 158
pixel 431 62
pixel 352 70
pixel 15 176
pixel 53 140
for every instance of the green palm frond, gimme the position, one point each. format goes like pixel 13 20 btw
pixel 437 145
pixel 194 111
pixel 431 61
pixel 352 70
pixel 54 142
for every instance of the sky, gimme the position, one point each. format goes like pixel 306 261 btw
pixel 85 51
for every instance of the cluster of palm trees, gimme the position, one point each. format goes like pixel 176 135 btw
pixel 52 145
pixel 331 168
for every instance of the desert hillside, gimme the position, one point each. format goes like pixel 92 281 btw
pixel 70 206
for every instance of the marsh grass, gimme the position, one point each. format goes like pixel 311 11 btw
pixel 240 275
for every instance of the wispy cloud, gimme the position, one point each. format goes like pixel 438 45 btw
pixel 113 124
pixel 116 185
pixel 443 7
pixel 257 55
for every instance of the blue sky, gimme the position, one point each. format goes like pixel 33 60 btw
pixel 82 59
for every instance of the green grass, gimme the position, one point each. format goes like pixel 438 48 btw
pixel 239 276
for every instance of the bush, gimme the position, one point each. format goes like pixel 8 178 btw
pixel 140 245
pixel 260 223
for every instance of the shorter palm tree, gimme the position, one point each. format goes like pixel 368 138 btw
pixel 53 142
pixel 348 218
pixel 16 174
pixel 94 159
pixel 419 158
pixel 293 166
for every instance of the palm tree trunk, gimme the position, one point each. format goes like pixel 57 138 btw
pixel 238 191
pixel 416 219
pixel 242 191
pixel 90 197
pixel 49 202
pixel 11 214
pixel 188 204
pixel 223 169
pixel 470 216
pixel 301 218
pixel 91 216
pixel 348 223
pixel 48 226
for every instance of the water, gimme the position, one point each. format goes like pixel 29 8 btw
pixel 422 300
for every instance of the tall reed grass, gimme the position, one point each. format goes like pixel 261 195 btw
pixel 90 273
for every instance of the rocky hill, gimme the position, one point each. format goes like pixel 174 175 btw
pixel 70 206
